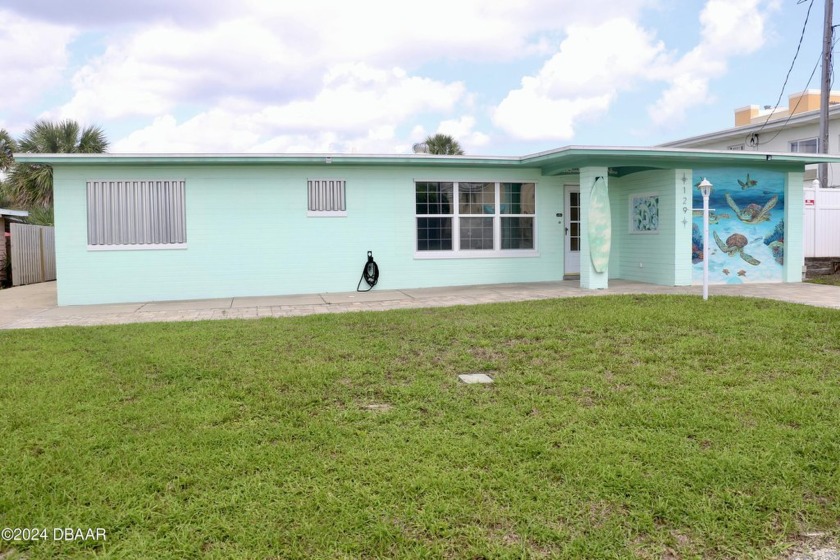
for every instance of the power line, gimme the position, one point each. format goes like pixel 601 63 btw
pixel 792 63
pixel 793 111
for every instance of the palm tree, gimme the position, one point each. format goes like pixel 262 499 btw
pixel 441 145
pixel 30 185
pixel 7 147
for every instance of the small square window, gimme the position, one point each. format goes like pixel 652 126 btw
pixel 326 197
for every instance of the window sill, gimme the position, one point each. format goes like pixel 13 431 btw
pixel 139 247
pixel 433 255
pixel 312 214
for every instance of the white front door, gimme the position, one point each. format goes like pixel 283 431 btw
pixel 572 230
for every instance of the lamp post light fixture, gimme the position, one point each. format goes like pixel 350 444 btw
pixel 705 189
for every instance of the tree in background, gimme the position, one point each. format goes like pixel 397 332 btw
pixel 440 145
pixel 31 185
pixel 8 146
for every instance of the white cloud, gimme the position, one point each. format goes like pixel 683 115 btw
pixel 592 64
pixel 277 51
pixel 158 68
pixel 728 29
pixel 357 95
pixel 595 63
pixel 219 132
pixel 461 129
pixel 213 131
pixel 357 110
pixel 33 56
pixel 91 13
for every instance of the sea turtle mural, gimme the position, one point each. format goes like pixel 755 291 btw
pixel 734 245
pixel 746 226
pixel 752 213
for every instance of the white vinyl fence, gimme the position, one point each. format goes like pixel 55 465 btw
pixel 33 254
pixel 822 222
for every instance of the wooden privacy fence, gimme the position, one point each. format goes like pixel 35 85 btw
pixel 33 254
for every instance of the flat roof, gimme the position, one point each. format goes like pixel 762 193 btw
pixel 551 162
pixel 15 213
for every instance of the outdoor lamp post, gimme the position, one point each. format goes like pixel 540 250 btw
pixel 705 189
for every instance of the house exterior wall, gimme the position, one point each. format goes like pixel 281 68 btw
pixel 248 234
pixel 3 243
pixel 778 141
pixel 794 228
pixel 663 256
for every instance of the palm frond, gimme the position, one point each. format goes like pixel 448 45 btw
pixel 443 145
pixel 30 185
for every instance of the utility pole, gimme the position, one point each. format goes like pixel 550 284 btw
pixel 825 89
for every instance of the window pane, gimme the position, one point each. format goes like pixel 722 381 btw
pixel 433 198
pixel 517 233
pixel 477 198
pixel 434 234
pixel 574 207
pixel 805 146
pixel 517 198
pixel 476 233
pixel 574 243
pixel 575 229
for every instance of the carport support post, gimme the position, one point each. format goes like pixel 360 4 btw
pixel 589 278
pixel 794 227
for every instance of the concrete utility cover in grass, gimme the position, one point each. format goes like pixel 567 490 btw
pixel 379 407
pixel 471 378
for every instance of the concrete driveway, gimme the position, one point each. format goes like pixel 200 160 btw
pixel 35 306
pixel 25 302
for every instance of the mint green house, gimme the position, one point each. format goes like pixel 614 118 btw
pixel 172 227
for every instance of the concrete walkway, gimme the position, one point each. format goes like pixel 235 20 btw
pixel 35 306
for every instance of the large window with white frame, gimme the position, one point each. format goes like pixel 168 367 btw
pixel 475 218
pixel 806 146
pixel 147 214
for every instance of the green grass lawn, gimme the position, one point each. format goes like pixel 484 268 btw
pixel 829 279
pixel 617 427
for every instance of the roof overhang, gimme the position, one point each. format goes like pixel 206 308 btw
pixel 14 213
pixel 567 160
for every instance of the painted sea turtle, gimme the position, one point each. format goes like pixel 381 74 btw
pixel 734 245
pixel 714 217
pixel 752 213
pixel 747 183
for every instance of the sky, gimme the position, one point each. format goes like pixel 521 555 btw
pixel 377 76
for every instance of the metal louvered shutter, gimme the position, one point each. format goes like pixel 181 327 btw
pixel 136 213
pixel 326 195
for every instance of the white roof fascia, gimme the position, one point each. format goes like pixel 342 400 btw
pixel 15 213
pixel 747 129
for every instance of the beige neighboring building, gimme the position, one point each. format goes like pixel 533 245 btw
pixel 794 128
